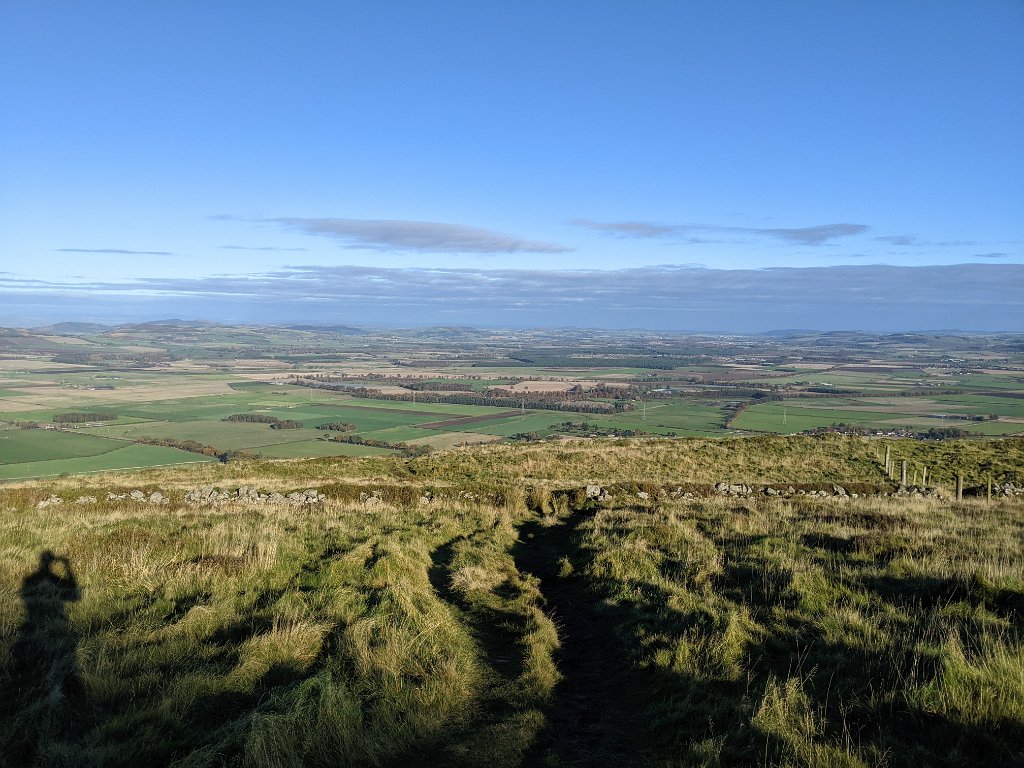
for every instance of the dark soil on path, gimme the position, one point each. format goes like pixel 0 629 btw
pixel 588 723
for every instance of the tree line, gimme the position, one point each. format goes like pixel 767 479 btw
pixel 262 418
pixel 81 417
pixel 194 446
pixel 533 401
pixel 411 451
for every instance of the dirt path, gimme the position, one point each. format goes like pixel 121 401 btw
pixel 586 726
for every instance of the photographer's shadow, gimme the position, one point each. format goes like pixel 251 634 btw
pixel 43 698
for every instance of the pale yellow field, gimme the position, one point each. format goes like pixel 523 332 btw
pixel 44 398
pixel 67 340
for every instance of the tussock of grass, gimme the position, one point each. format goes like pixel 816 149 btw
pixel 822 633
pixel 446 611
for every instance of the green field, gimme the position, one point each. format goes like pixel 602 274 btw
pixel 532 421
pixel 365 419
pixel 201 419
pixel 448 409
pixel 674 415
pixel 176 381
pixel 18 446
pixel 224 435
pixel 982 405
pixel 787 418
pixel 316 448
pixel 128 457
pixel 401 434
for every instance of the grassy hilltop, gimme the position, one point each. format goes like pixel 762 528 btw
pixel 477 607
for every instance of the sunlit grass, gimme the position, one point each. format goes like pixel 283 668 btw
pixel 445 611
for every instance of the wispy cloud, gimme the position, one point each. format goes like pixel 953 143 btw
pixel 816 235
pixel 629 228
pixel 991 255
pixel 273 248
pixel 419 236
pixel 897 239
pixel 915 241
pixel 120 251
pixel 813 235
pixel 670 296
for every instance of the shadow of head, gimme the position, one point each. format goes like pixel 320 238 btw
pixel 55 576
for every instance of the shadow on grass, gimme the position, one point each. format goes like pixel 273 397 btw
pixel 595 714
pixel 43 698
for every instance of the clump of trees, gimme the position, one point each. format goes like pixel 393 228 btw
pixel 944 433
pixel 194 446
pixel 586 428
pixel 437 386
pixel 538 401
pixel 81 417
pixel 257 418
pixel 262 418
pixel 338 426
pixel 411 451
pixel 525 437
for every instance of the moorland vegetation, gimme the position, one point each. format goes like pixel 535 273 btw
pixel 550 603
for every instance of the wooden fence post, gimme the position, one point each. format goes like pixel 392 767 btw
pixel 959 487
pixel 903 473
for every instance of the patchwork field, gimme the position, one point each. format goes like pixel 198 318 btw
pixel 879 413
pixel 173 386
pixel 128 457
pixel 201 419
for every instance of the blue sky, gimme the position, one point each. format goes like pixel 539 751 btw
pixel 254 160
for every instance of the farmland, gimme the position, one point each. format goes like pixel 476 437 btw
pixel 164 387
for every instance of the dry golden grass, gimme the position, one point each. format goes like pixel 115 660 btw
pixel 450 610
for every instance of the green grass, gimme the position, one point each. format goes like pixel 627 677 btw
pixel 1012 380
pixel 874 634
pixel 364 418
pixel 270 638
pixel 673 415
pixel 790 417
pixel 128 457
pixel 448 409
pixel 225 435
pixel 662 417
pixel 783 418
pixel 982 405
pixel 530 422
pixel 400 434
pixel 312 448
pixel 31 445
pixel 496 623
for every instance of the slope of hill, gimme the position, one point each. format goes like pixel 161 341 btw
pixel 485 606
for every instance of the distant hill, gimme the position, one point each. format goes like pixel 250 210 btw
pixel 70 329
